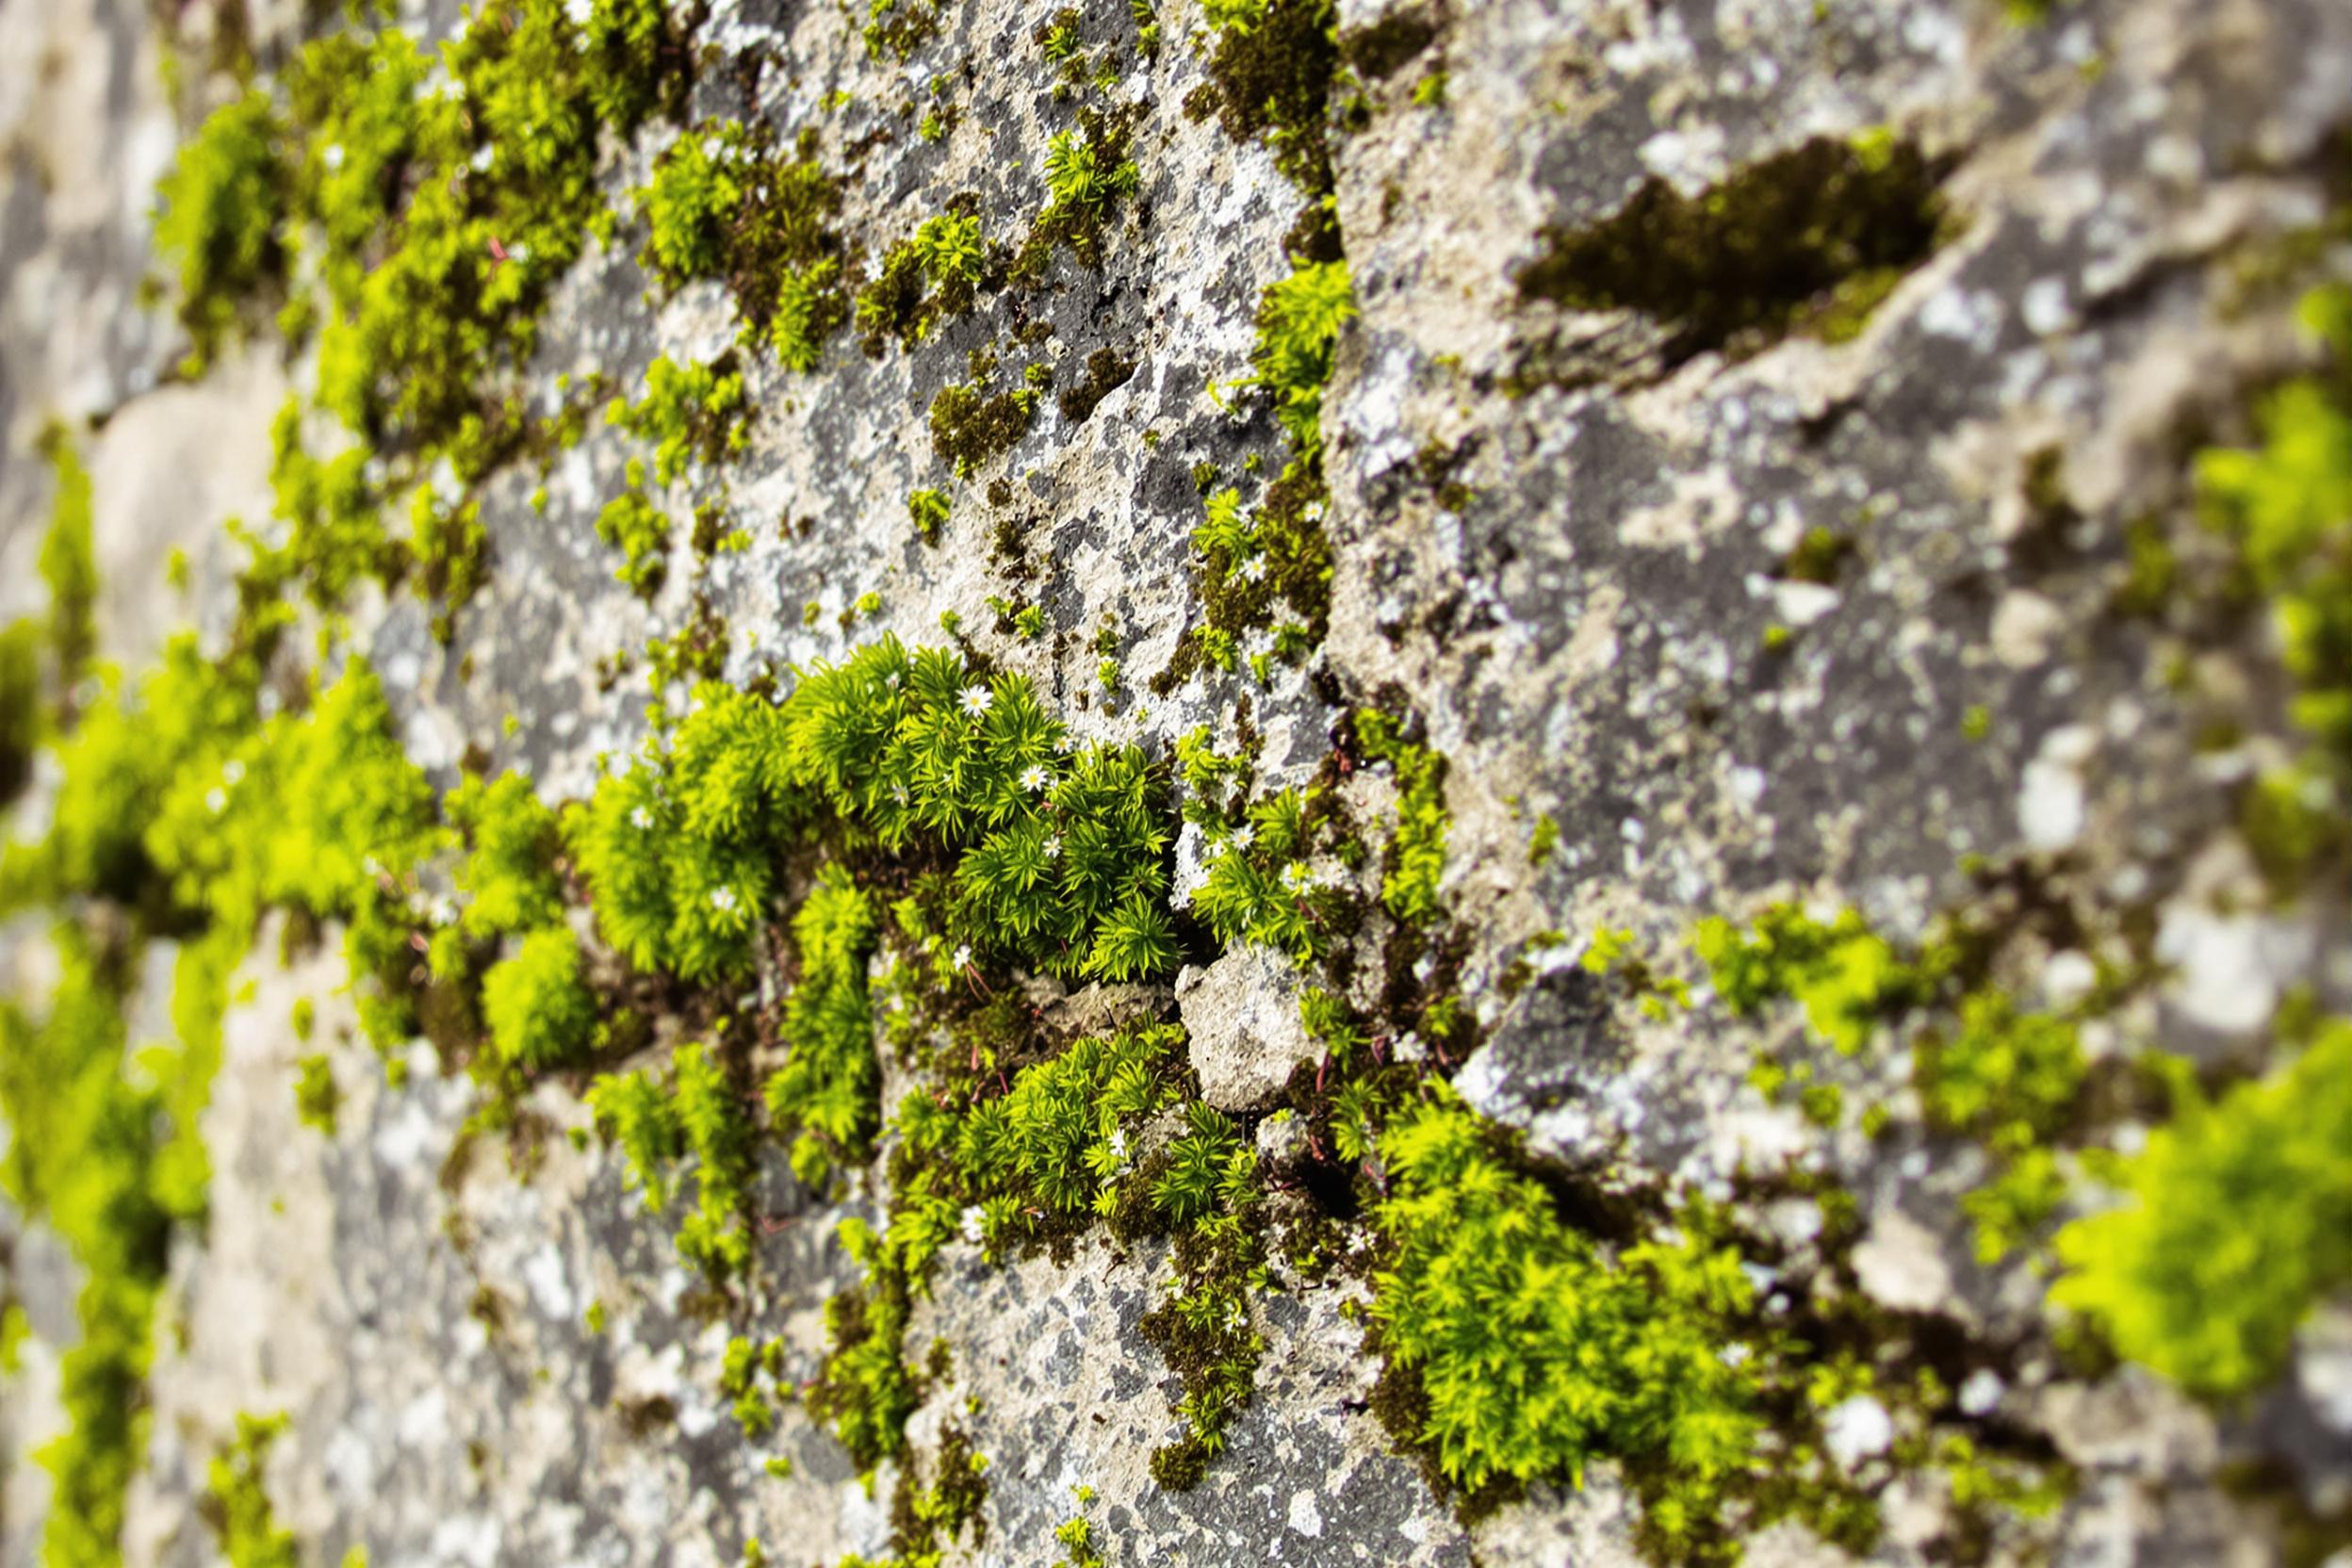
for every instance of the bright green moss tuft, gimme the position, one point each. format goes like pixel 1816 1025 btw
pixel 1299 324
pixel 640 531
pixel 220 211
pixel 700 1113
pixel 508 879
pixel 826 1087
pixel 1519 1350
pixel 927 510
pixel 239 1508
pixel 691 411
pixel 1416 854
pixel 1847 978
pixel 2238 1221
pixel 539 1007
pixel 316 1098
pixel 636 1113
pixel 69 563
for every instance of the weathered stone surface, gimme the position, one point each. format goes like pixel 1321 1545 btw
pixel 1562 534
pixel 1242 1026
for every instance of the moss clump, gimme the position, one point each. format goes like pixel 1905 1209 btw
pixel 1417 852
pixel 828 1085
pixel 691 412
pixel 2286 506
pixel 237 1502
pixel 1088 173
pixel 925 279
pixel 1530 1351
pixel 1263 884
pixel 508 880
pixel 1270 76
pixel 189 815
pixel 701 1111
pixel 1299 319
pixel 220 212
pixel 724 202
pixel 2238 1219
pixel 1756 257
pixel 969 428
pixel 1106 372
pixel 538 1005
pixel 640 529
pixel 20 704
pixel 69 562
pixel 1847 978
pixel 927 510
pixel 677 848
pixel 316 1098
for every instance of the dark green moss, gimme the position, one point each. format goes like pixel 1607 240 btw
pixel 971 428
pixel 1272 79
pixel 1378 50
pixel 1106 371
pixel 1764 253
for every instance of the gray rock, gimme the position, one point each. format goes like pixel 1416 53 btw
pixel 1241 1019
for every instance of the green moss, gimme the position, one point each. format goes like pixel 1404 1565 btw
pixel 724 202
pixel 928 510
pixel 1813 235
pixel 219 213
pixel 640 531
pixel 826 1089
pixel 2236 1224
pixel 21 705
pixel 702 1112
pixel 1520 1351
pixel 508 880
pixel 1417 852
pixel 539 1007
pixel 316 1098
pixel 1088 172
pixel 236 1501
pixel 2286 505
pixel 691 412
pixel 69 562
pixel 1270 76
pixel 1106 371
pixel 1299 319
pixel 971 428
pixel 925 280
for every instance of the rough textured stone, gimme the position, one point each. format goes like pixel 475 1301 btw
pixel 1242 1026
pixel 1562 534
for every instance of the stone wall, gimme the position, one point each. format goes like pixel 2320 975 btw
pixel 1743 469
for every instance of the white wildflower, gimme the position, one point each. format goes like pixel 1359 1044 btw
pixel 579 11
pixel 963 955
pixel 232 773
pixel 977 700
pixel 332 156
pixel 640 819
pixel 973 1223
pixel 723 900
pixel 890 681
pixel 1053 847
pixel 1296 879
pixel 215 800
pixel 1244 836
pixel 1119 1144
pixel 1033 778
pixel 1253 569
